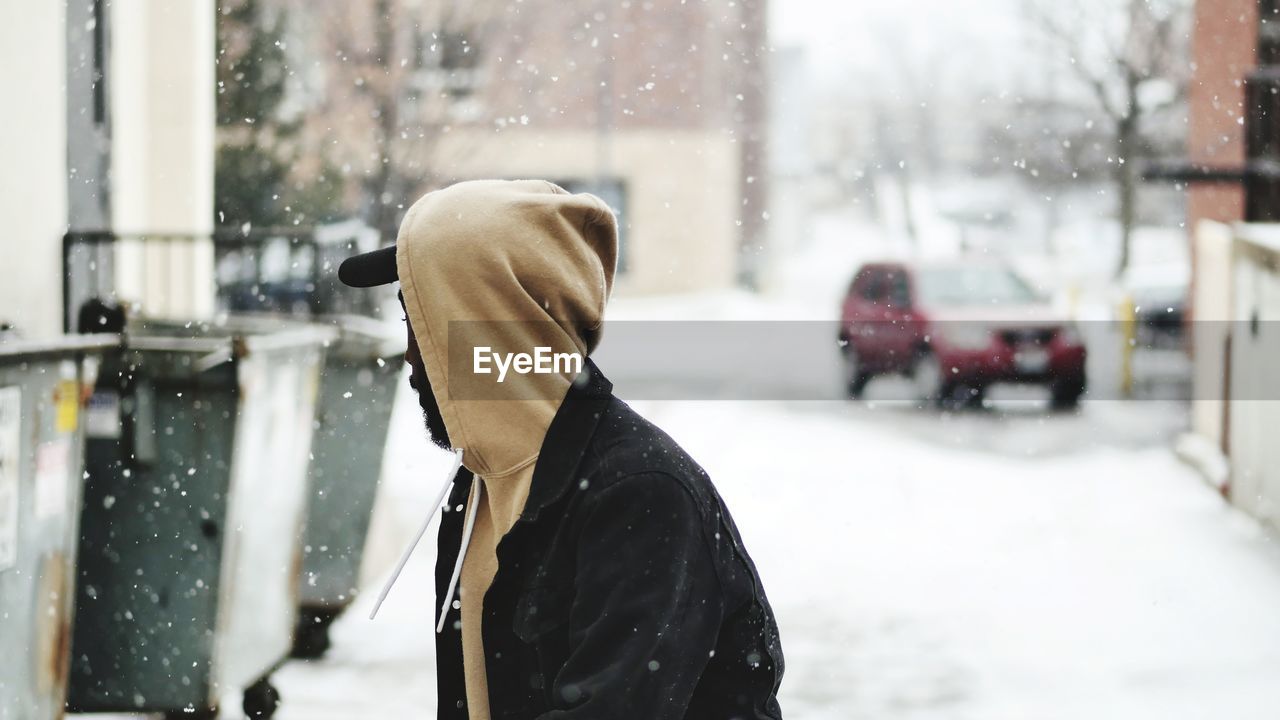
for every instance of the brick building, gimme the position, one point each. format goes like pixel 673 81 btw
pixel 659 106
pixel 1223 46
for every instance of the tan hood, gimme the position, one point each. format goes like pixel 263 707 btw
pixel 513 265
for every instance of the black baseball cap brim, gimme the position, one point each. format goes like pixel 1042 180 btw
pixel 369 269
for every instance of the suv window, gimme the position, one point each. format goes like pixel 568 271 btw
pixel 897 292
pixel 869 285
pixel 883 287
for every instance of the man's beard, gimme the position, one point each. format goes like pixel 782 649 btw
pixel 435 430
pixel 431 416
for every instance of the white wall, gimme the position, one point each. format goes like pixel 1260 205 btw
pixel 1255 378
pixel 33 175
pixel 162 97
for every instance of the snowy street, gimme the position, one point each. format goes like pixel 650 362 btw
pixel 1013 564
pixel 1008 563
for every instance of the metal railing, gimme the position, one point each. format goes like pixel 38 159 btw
pixel 193 276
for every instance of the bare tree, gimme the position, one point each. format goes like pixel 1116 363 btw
pixel 1130 58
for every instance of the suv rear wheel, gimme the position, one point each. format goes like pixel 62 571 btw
pixel 1065 394
pixel 855 375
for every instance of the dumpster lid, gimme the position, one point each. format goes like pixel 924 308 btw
pixel 61 345
pixel 358 334
pixel 236 335
pixel 383 338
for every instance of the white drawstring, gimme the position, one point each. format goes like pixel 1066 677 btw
pixel 473 502
pixel 435 507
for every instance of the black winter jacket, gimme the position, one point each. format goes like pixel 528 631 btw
pixel 623 591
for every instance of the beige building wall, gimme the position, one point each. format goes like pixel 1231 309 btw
pixel 681 187
pixel 162 153
pixel 33 179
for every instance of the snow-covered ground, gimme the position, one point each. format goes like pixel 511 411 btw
pixel 920 577
pixel 1004 564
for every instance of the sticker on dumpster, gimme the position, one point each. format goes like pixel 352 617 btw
pixel 10 455
pixel 102 416
pixel 52 465
pixel 66 398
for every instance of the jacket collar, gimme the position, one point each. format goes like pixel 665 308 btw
pixel 567 438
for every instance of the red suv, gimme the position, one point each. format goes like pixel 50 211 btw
pixel 956 328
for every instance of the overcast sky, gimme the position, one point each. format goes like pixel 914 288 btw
pixel 843 36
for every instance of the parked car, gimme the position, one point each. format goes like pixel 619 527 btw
pixel 1159 295
pixel 956 328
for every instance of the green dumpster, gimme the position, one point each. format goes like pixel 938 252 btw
pixel 357 393
pixel 40 476
pixel 194 500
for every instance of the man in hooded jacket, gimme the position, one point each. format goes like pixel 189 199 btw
pixel 586 567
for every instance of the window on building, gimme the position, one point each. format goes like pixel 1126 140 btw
pixel 447 61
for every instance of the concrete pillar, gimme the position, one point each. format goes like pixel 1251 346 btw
pixel 33 185
pixel 162 96
pixel 88 131
pixel 87 269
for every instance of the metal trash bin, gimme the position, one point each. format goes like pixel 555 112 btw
pixel 40 476
pixel 194 499
pixel 357 394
